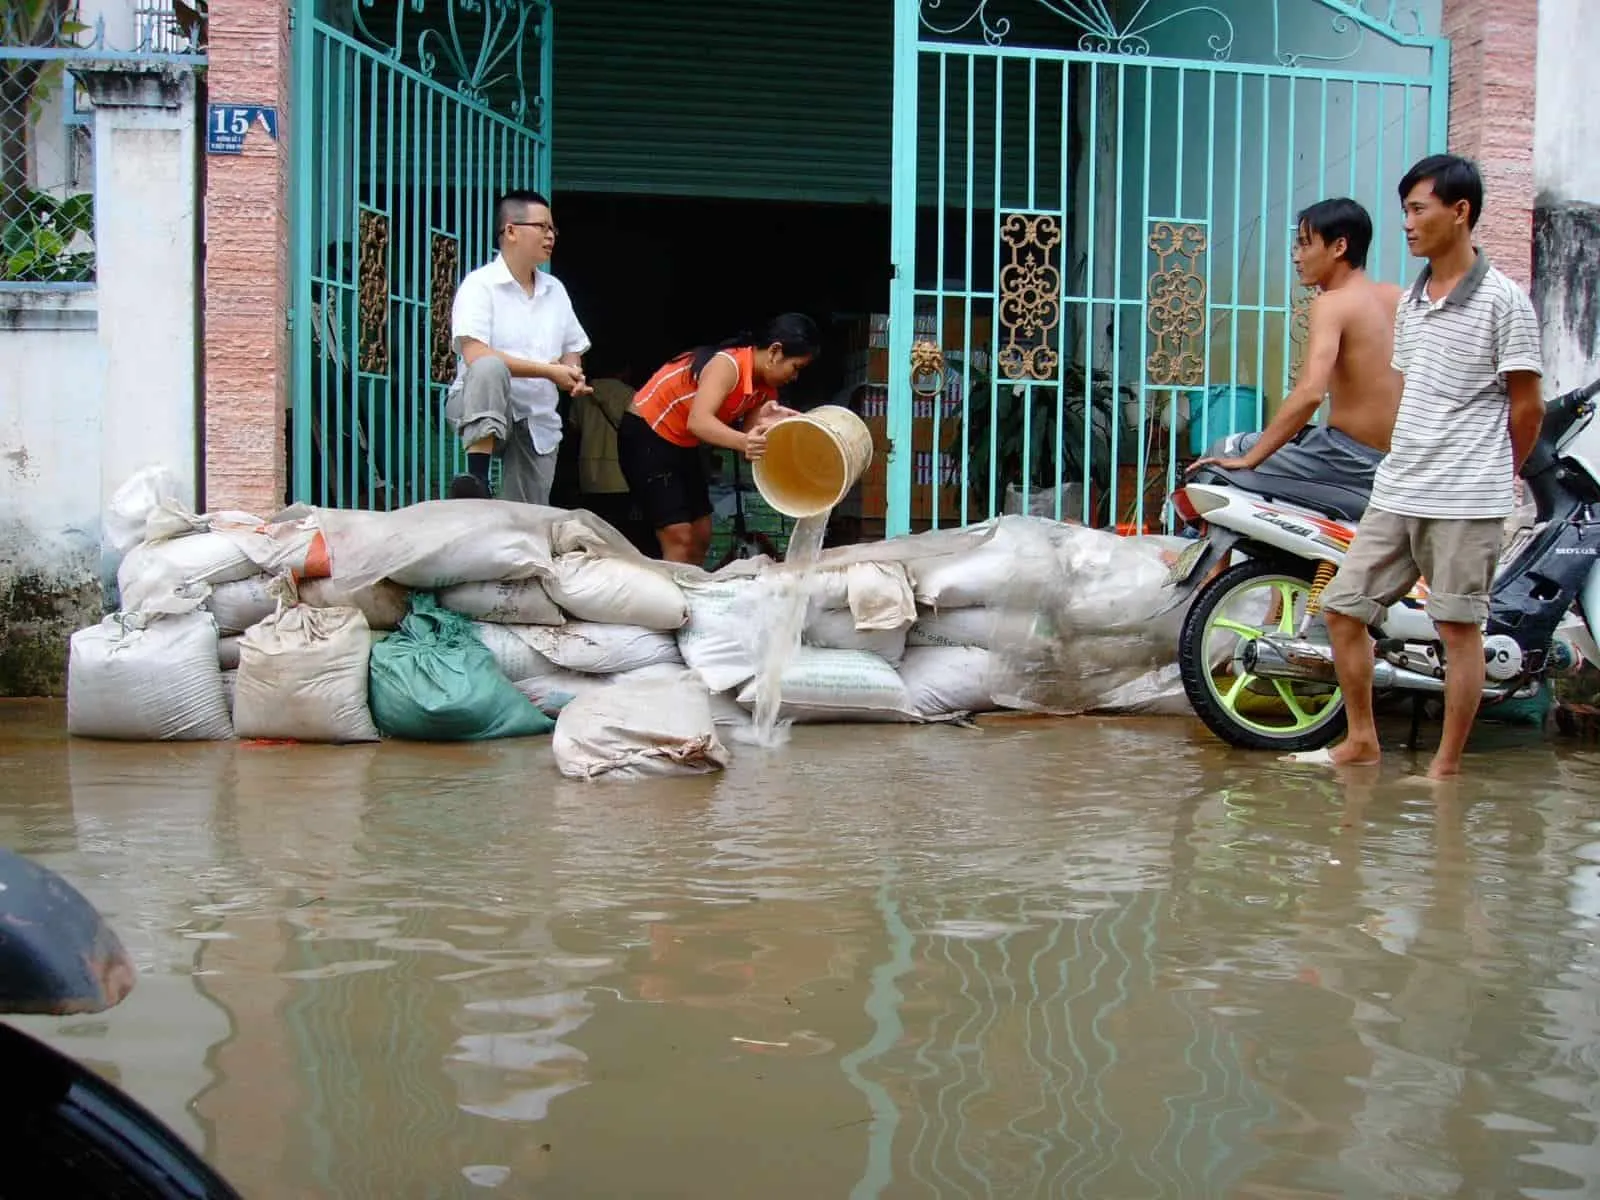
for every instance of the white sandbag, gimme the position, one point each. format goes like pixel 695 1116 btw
pixel 503 602
pixel 598 586
pixel 240 604
pixel 638 731
pixel 384 604
pixel 123 525
pixel 513 654
pixel 838 685
pixel 980 627
pixel 230 683
pixel 1156 694
pixel 835 629
pixel 303 677
pixel 600 649
pixel 439 543
pixel 982 577
pixel 880 595
pixel 136 678
pixel 717 642
pixel 228 652
pixel 553 691
pixel 727 712
pixel 161 577
pixel 941 680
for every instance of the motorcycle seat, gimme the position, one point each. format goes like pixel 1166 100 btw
pixel 57 954
pixel 1345 504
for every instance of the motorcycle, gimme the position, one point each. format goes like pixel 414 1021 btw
pixel 1256 678
pixel 64 1130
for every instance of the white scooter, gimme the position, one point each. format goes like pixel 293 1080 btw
pixel 1257 680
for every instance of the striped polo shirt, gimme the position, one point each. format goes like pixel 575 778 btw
pixel 1450 456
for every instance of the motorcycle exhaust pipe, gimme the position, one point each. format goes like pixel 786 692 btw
pixel 1310 662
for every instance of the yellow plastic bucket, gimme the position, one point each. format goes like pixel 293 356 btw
pixel 813 460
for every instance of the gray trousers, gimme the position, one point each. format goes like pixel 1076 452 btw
pixel 481 407
pixel 1317 453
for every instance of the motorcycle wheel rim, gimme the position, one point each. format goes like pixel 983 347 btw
pixel 1245 696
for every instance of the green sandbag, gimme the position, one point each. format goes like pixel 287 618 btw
pixel 434 681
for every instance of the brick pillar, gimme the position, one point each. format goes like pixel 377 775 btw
pixel 1493 46
pixel 247 264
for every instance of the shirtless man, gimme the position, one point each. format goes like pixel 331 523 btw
pixel 1350 344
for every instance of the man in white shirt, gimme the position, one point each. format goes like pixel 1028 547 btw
pixel 517 341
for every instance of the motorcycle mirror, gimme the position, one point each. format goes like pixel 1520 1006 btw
pixel 57 954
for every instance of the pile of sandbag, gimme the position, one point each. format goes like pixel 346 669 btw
pixel 468 619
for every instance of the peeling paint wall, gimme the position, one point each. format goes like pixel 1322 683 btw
pixel 50 414
pixel 1566 251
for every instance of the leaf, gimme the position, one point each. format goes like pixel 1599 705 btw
pixel 76 213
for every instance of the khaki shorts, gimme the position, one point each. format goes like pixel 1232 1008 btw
pixel 1390 553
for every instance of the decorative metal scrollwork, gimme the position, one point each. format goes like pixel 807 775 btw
pixel 1299 326
pixel 1101 32
pixel 476 46
pixel 372 293
pixel 1175 305
pixel 1030 296
pixel 444 258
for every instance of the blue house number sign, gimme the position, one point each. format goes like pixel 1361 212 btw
pixel 228 124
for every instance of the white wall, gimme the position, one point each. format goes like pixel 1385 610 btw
pixel 96 383
pixel 1566 169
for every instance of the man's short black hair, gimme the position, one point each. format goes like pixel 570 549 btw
pixel 1454 179
pixel 511 206
pixel 1339 218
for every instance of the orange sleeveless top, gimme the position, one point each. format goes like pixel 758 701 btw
pixel 665 400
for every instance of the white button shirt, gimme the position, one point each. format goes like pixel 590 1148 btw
pixel 491 306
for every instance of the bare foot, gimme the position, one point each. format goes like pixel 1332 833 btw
pixel 1442 770
pixel 1345 754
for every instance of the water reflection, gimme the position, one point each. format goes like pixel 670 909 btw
pixel 1080 959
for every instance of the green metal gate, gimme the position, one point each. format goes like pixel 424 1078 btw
pixel 421 112
pixel 1093 220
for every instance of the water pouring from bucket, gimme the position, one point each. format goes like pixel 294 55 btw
pixel 811 463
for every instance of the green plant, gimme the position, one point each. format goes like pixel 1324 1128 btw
pixel 36 246
pixel 27 83
pixel 1015 430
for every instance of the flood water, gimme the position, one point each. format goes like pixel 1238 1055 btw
pixel 1076 959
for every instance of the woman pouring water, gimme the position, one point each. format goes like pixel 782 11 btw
pixel 723 395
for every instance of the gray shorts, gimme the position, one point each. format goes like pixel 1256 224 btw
pixel 1390 553
pixel 1315 453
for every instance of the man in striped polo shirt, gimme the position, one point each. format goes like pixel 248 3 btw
pixel 1467 344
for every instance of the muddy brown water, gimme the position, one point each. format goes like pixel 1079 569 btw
pixel 1077 959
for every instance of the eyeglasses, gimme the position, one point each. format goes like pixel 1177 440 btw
pixel 542 226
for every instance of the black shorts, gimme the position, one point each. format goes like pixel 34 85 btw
pixel 668 481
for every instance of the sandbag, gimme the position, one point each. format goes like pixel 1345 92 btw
pixel 878 594
pixel 228 652
pixel 553 692
pixel 434 680
pixel 513 654
pixel 599 586
pixel 601 649
pixel 835 629
pixel 439 543
pixel 941 680
pixel 123 525
pixel 978 578
pixel 638 731
pixel 240 604
pixel 838 685
pixel 384 604
pixel 160 577
pixel 136 678
pixel 503 602
pixel 717 641
pixel 303 677
pixel 230 682
pixel 980 627
pixel 1158 693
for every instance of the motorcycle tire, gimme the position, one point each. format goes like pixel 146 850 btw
pixel 1219 716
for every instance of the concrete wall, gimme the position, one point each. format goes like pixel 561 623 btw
pixel 96 383
pixel 50 413
pixel 1566 267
